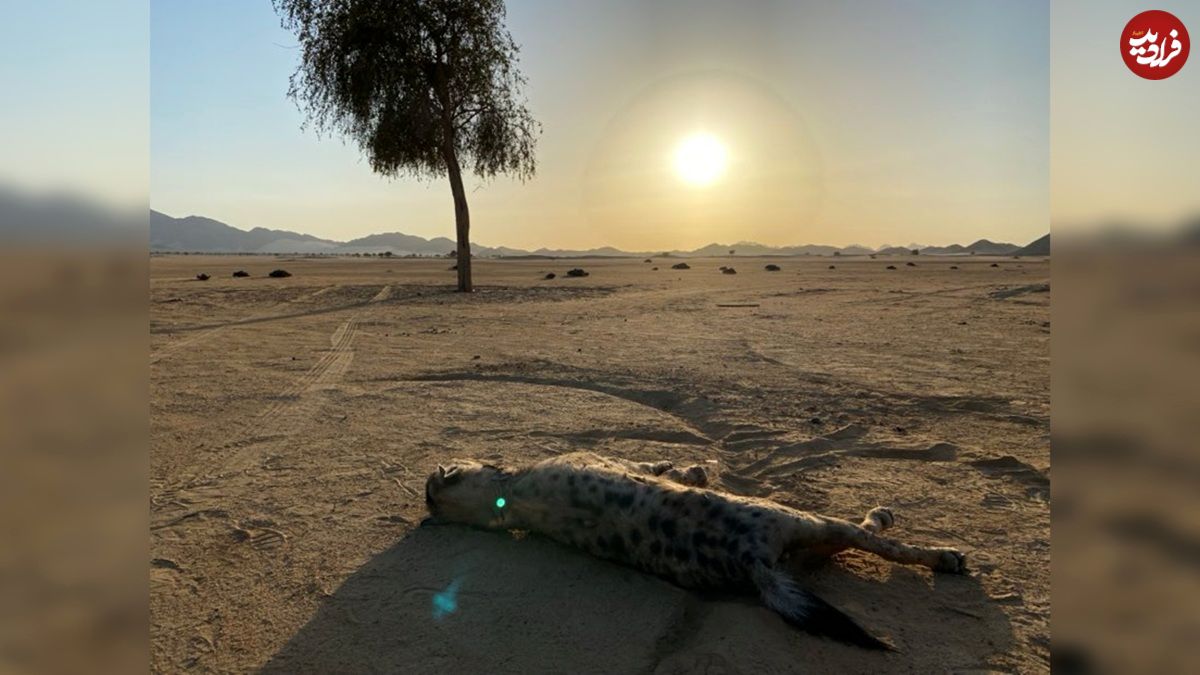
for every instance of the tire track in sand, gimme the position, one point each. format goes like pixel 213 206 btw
pixel 200 494
pixel 169 349
pixel 296 406
pixel 254 439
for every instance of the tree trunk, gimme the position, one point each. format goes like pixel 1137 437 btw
pixel 462 215
pixel 462 224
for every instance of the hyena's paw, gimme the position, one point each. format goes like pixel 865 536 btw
pixel 657 468
pixel 950 561
pixel 694 476
pixel 881 517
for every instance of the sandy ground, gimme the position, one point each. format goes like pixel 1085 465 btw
pixel 294 420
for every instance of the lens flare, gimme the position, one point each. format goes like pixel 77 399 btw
pixel 446 602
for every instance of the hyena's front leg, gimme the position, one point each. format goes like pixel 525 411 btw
pixel 694 475
pixel 648 468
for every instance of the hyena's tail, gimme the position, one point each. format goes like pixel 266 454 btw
pixel 808 612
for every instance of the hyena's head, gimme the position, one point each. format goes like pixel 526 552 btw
pixel 467 492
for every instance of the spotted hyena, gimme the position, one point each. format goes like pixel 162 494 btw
pixel 663 520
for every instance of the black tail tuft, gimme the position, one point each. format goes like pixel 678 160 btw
pixel 822 618
pixel 810 613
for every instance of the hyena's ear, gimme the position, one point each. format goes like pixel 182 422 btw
pixel 448 474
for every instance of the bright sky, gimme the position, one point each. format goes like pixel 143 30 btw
pixel 839 123
pixel 1123 147
pixel 73 86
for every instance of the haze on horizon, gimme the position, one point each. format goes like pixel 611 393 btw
pixel 872 124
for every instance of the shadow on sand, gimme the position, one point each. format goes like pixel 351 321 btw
pixel 452 599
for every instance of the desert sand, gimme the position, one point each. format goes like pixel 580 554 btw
pixel 293 422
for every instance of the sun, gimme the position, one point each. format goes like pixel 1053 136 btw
pixel 700 159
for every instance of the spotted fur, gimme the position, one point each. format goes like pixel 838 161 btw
pixel 654 517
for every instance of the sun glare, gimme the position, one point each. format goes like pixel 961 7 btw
pixel 700 159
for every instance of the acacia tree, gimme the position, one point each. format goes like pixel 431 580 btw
pixel 424 87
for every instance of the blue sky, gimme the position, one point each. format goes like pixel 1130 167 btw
pixel 75 109
pixel 1123 147
pixel 865 122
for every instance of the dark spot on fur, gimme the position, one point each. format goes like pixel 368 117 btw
pixel 746 558
pixel 571 480
pixel 635 536
pixel 625 500
pixel 699 539
pixel 609 496
pixel 742 528
pixel 592 489
pixel 682 553
pixel 554 477
pixel 655 547
pixel 755 514
pixel 731 546
pixel 668 527
pixel 702 559
pixel 653 522
pixel 715 510
pixel 587 478
pixel 618 545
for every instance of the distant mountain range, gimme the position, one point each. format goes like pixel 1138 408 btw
pixel 196 234
pixel 1039 247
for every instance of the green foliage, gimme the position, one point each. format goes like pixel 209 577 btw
pixel 422 86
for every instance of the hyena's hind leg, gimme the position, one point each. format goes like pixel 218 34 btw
pixel 936 558
pixel 834 534
pixel 878 519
